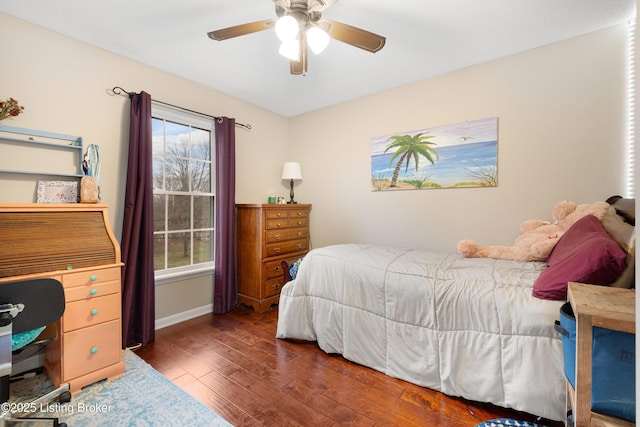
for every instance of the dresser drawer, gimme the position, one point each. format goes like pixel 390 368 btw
pixel 87 350
pixel 272 287
pixel 298 213
pixel 83 278
pixel 88 312
pixel 93 290
pixel 274 236
pixel 273 269
pixel 285 248
pixel 277 224
pixel 299 222
pixel 276 213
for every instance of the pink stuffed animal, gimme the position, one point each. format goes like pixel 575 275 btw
pixel 538 237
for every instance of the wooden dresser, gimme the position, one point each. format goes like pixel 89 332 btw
pixel 268 234
pixel 74 244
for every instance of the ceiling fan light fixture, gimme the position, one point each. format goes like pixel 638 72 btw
pixel 290 49
pixel 287 28
pixel 300 27
pixel 317 38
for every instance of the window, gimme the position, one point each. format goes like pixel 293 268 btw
pixel 183 193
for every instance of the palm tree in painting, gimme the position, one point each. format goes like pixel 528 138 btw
pixel 409 147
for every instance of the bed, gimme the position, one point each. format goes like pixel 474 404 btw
pixel 468 327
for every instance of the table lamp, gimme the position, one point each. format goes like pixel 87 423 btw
pixel 291 171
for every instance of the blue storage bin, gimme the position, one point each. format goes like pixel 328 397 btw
pixel 613 375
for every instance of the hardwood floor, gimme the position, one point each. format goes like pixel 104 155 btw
pixel 234 364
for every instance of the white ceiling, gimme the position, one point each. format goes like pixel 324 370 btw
pixel 424 38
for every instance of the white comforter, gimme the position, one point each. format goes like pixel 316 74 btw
pixel 466 327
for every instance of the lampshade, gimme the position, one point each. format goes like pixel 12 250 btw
pixel 291 170
pixel 317 38
pixel 287 28
pixel 290 49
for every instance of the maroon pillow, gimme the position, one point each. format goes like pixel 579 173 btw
pixel 586 253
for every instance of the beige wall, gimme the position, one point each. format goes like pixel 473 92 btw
pixel 64 86
pixel 561 136
pixel 561 111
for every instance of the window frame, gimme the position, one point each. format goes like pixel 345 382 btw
pixel 178 116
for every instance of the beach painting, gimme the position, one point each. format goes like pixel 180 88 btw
pixel 451 156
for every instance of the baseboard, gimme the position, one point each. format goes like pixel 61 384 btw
pixel 185 315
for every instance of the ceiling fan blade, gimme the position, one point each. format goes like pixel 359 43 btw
pixel 300 67
pixel 355 36
pixel 241 30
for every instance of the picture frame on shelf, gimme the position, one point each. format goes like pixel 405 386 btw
pixel 57 192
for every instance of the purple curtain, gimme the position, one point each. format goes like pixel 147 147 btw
pixel 138 291
pixel 225 292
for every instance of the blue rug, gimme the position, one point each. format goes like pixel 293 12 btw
pixel 141 397
pixel 507 422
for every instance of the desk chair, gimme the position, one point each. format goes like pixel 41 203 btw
pixel 26 307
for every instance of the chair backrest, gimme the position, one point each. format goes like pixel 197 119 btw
pixel 43 301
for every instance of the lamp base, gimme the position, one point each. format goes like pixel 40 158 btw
pixel 291 201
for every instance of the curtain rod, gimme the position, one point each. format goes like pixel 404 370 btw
pixel 120 91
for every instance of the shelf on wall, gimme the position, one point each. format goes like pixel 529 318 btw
pixel 37 139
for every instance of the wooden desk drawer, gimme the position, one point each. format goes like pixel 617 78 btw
pixel 274 236
pixel 285 248
pixel 93 290
pixel 88 312
pixel 87 350
pixel 92 276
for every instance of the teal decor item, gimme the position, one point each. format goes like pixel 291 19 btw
pixel 20 340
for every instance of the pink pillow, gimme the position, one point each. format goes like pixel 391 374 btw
pixel 586 253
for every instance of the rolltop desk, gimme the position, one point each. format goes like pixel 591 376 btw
pixel 74 244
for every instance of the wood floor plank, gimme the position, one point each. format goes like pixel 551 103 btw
pixel 233 364
pixel 336 411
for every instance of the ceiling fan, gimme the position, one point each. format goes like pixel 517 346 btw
pixel 300 23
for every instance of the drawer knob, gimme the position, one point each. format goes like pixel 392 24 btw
pixel 93 291
pixel 69 267
pixel 278 225
pixel 94 312
pixel 277 237
pixel 276 286
pixel 299 246
pixel 277 213
pixel 299 234
pixel 299 213
pixel 276 269
pixel 93 278
pixel 277 250
pixel 94 350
